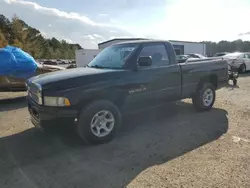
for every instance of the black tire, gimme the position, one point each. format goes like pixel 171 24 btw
pixel 243 68
pixel 235 82
pixel 198 100
pixel 83 126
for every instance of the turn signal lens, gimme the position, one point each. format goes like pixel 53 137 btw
pixel 66 102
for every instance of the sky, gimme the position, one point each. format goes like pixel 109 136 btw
pixel 89 22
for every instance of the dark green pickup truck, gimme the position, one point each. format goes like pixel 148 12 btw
pixel 124 77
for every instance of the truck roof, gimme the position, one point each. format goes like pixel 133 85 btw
pixel 140 41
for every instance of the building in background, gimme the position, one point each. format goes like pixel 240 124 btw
pixel 116 40
pixel 186 47
pixel 84 56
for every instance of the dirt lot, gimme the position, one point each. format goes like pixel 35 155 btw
pixel 171 146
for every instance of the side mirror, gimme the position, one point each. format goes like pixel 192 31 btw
pixel 145 61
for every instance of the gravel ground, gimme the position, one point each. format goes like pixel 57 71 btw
pixel 171 146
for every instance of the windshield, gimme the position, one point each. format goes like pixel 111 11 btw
pixel 112 57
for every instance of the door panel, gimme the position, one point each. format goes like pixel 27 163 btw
pixel 165 84
pixel 156 84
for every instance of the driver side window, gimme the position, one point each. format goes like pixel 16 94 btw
pixel 158 54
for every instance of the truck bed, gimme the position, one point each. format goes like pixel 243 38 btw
pixel 196 69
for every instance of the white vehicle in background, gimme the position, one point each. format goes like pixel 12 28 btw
pixel 197 56
pixel 220 54
pixel 242 59
pixel 190 58
pixel 185 58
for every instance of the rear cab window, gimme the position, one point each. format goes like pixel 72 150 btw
pixel 157 52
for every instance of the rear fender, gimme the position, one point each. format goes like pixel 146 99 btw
pixel 212 78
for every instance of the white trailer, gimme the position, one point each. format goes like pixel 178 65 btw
pixel 84 56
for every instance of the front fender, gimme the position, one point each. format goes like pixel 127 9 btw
pixel 80 99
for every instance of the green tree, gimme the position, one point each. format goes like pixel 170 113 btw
pixel 18 33
pixel 3 41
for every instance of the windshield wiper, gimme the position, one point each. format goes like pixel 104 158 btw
pixel 96 66
pixel 101 67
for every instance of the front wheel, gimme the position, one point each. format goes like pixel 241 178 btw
pixel 204 97
pixel 99 122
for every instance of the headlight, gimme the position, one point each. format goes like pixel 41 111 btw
pixel 56 101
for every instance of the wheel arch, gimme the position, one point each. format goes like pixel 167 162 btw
pixel 211 78
pixel 116 98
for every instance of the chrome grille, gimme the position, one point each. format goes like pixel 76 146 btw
pixel 33 88
pixel 33 92
pixel 33 97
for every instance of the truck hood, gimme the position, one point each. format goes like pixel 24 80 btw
pixel 65 79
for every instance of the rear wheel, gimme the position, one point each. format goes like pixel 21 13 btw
pixel 99 122
pixel 204 97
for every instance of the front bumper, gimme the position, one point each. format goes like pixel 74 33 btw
pixel 43 116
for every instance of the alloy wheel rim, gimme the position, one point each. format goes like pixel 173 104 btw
pixel 102 123
pixel 208 97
